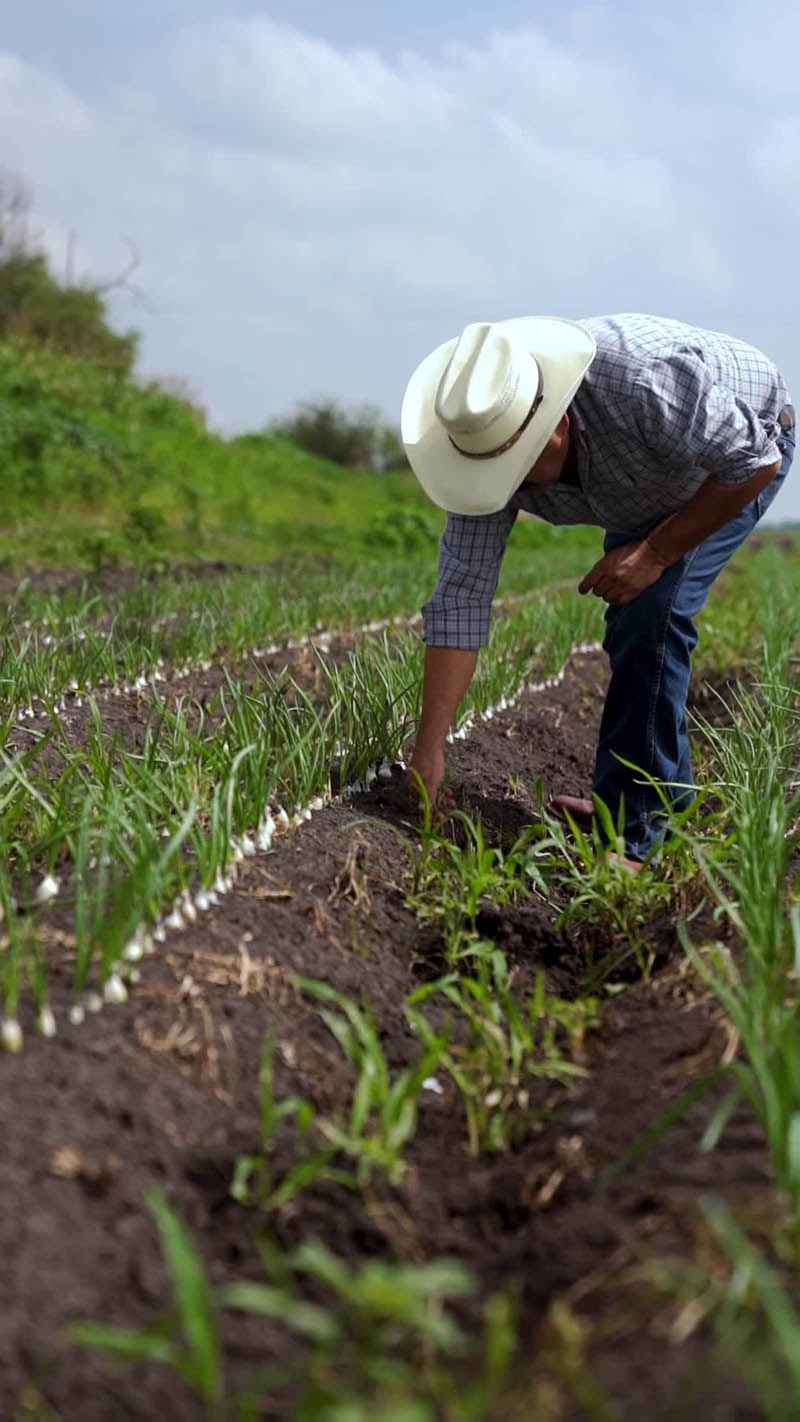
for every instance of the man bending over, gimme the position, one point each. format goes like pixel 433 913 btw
pixel 673 439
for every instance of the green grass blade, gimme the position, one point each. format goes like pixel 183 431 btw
pixel 192 1297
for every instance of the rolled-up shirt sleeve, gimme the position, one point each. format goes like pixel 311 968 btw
pixel 470 554
pixel 686 419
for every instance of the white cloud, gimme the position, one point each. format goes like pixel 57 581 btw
pixel 24 90
pixel 271 77
pixel 557 93
pixel 485 164
pixel 312 218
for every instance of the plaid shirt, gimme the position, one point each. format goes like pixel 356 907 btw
pixel 663 407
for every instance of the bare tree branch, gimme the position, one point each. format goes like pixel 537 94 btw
pixel 15 205
pixel 122 278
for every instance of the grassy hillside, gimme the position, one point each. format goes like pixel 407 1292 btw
pixel 100 465
pixel 101 468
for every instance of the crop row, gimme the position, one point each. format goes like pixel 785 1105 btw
pixel 60 647
pixel 168 812
pixel 139 836
pixel 748 1295
pixel 495 1045
pixel 80 638
pixel 378 1340
pixel 41 670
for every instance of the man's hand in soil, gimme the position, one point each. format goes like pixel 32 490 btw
pixel 428 763
pixel 448 673
pixel 623 573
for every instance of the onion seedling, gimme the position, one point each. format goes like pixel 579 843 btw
pixel 499 1046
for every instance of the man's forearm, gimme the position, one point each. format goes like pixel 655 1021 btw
pixel 713 505
pixel 448 673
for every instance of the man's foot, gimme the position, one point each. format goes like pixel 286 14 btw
pixel 634 865
pixel 573 805
pixel 581 809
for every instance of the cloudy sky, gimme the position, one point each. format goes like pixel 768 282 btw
pixel 322 192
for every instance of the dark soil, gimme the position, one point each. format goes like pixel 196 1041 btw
pixel 164 1090
pixel 114 580
pixel 126 715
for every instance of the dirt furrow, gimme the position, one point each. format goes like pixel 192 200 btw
pixel 164 1089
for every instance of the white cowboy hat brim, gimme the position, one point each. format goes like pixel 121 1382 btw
pixel 460 484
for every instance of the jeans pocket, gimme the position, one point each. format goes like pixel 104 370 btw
pixel 762 501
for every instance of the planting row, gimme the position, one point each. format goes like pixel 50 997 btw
pixel 77 638
pixel 113 843
pixel 162 632
pixel 177 1070
pixel 131 828
pixel 502 1050
pixel 494 1040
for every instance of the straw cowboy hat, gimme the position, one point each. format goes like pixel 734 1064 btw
pixel 479 410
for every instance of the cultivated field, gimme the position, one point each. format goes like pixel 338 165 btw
pixel 314 1110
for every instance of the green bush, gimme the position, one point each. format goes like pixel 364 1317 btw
pixel 362 440
pixel 70 318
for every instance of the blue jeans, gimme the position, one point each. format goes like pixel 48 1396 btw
pixel 649 644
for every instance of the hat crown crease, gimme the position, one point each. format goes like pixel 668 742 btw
pixel 479 383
